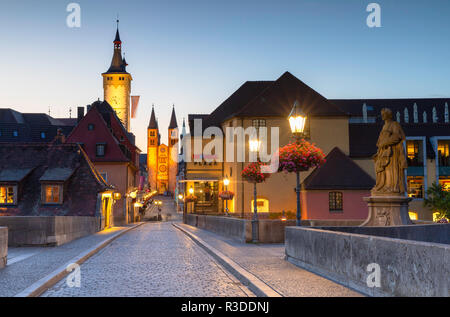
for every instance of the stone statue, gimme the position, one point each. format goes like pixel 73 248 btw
pixel 388 204
pixel 390 160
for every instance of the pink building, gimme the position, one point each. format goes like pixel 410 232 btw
pixel 336 190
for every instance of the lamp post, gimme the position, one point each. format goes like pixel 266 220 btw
pixel 254 145
pixel 226 182
pixel 297 120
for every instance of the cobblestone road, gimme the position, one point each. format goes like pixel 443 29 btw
pixel 153 260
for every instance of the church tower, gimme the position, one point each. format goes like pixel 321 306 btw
pixel 117 83
pixel 152 150
pixel 173 150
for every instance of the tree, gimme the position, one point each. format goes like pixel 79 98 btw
pixel 438 200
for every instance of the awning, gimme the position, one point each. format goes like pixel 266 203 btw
pixel 56 175
pixel 14 174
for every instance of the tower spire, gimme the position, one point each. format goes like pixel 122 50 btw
pixel 153 124
pixel 173 120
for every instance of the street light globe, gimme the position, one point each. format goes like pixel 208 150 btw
pixel 180 197
pixel 297 119
pixel 226 182
pixel 191 190
pixel 254 145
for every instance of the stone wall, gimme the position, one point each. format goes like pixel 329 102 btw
pixel 270 231
pixel 436 233
pixel 407 268
pixel 3 246
pixel 48 231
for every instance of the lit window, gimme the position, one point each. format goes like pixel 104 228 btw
pixel 444 181
pixel 262 205
pixel 444 153
pixel 42 135
pixel 100 149
pixel 415 186
pixel 52 194
pixel 15 133
pixel 335 201
pixel 414 152
pixel 7 195
pixel 413 215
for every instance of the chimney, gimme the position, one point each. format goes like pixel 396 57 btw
pixel 80 113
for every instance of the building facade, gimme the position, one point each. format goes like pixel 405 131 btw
pixel 162 161
pixel 113 152
pixel 117 84
pixel 351 126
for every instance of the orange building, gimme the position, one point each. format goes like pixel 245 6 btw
pixel 161 158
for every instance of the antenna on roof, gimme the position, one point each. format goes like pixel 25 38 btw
pixel 48 110
pixel 70 113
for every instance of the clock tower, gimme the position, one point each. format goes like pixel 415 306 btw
pixel 117 83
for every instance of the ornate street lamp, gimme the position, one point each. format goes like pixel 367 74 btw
pixel 297 120
pixel 254 145
pixel 226 182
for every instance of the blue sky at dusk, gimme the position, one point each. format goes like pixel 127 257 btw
pixel 196 53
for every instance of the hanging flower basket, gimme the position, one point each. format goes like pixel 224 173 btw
pixel 190 199
pixel 226 195
pixel 300 156
pixel 252 173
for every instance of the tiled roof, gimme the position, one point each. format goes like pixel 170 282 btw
pixel 338 172
pixel 279 97
pixel 31 127
pixel 52 162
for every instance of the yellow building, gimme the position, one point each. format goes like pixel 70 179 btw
pixel 117 84
pixel 161 158
pixel 352 126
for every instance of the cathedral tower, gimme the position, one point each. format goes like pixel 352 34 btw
pixel 117 83
pixel 173 151
pixel 152 150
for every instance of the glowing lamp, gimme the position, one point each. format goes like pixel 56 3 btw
pixel 297 120
pixel 133 194
pixel 117 196
pixel 191 190
pixel 226 182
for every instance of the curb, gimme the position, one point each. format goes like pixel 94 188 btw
pixel 42 285
pixel 254 283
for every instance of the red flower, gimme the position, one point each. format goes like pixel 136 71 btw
pixel 300 156
pixel 252 173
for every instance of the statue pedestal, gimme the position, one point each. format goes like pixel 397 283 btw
pixel 387 211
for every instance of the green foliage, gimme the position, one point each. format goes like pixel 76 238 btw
pixel 438 200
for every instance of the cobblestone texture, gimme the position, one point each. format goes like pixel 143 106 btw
pixel 267 262
pixel 153 260
pixel 19 275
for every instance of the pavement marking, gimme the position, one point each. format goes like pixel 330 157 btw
pixel 39 287
pixel 255 284
pixel 21 257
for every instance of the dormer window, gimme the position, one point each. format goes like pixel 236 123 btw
pixel 8 194
pixel 52 194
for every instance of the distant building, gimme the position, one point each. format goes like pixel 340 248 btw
pixel 161 165
pixel 113 152
pixel 346 130
pixel 31 127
